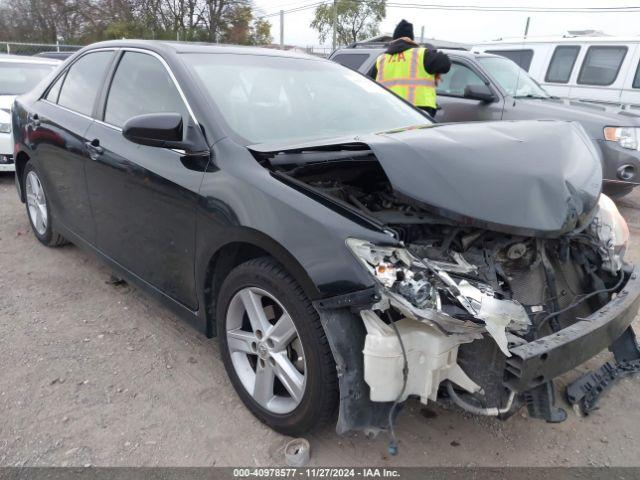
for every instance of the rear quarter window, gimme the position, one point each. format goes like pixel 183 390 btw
pixel 521 57
pixel 601 65
pixel 352 60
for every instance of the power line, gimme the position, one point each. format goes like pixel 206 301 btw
pixel 480 8
pixel 532 9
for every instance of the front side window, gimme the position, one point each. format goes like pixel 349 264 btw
pixel 636 79
pixel 269 99
pixel 83 81
pixel 352 60
pixel 522 58
pixel 561 65
pixel 18 78
pixel 141 85
pixel 513 79
pixel 601 65
pixel 456 81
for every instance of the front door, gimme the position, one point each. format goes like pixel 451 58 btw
pixel 144 198
pixel 452 104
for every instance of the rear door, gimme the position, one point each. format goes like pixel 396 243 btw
pixel 144 198
pixel 452 104
pixel 57 128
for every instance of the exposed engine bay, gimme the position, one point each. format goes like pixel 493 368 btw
pixel 456 298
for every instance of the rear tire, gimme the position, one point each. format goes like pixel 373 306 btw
pixel 38 210
pixel 300 359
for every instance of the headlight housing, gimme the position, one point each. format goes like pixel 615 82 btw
pixel 392 267
pixel 626 137
pixel 5 127
pixel 612 232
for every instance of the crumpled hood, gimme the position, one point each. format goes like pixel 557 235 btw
pixel 535 178
pixel 529 177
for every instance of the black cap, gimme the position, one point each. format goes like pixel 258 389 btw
pixel 403 29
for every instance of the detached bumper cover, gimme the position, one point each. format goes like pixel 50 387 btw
pixel 542 360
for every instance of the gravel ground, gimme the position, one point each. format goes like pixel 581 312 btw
pixel 95 374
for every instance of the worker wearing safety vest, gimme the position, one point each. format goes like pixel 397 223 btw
pixel 411 71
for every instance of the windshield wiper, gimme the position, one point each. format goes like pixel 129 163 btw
pixel 539 97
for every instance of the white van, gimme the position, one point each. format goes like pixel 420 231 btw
pixel 599 69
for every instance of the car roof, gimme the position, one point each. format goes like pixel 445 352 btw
pixel 519 41
pixel 28 59
pixel 378 50
pixel 197 47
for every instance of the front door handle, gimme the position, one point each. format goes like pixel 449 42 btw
pixel 94 149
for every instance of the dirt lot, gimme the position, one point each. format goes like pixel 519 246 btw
pixel 103 375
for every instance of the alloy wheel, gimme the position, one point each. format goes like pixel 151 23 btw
pixel 36 202
pixel 266 351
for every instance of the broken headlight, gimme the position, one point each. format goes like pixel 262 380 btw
pixel 392 267
pixel 416 285
pixel 612 234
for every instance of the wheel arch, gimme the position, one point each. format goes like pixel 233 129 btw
pixel 244 245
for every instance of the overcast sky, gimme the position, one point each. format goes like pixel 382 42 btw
pixel 468 26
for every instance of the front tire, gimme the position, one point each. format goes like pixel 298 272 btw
pixel 38 209
pixel 274 348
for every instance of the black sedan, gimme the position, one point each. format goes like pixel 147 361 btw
pixel 347 252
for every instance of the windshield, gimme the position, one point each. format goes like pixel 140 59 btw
pixel 514 80
pixel 18 78
pixel 266 99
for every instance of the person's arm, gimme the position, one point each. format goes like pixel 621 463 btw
pixel 436 62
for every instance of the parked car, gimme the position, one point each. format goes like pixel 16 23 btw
pixel 347 251
pixel 18 75
pixel 599 69
pixel 483 87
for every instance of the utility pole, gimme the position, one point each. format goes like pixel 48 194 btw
pixel 422 34
pixel 281 29
pixel 335 24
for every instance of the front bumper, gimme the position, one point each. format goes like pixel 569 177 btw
pixel 541 360
pixel 614 159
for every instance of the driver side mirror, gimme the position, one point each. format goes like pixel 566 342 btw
pixel 163 130
pixel 479 92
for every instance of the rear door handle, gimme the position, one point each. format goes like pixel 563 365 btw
pixel 94 148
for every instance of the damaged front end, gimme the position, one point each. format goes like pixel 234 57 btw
pixel 482 303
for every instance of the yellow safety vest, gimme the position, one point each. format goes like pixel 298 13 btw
pixel 404 74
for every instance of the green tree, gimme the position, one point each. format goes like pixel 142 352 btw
pixel 261 32
pixel 355 19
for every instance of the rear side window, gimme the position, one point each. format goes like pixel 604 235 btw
pixel 54 91
pixel 521 57
pixel 141 85
pixel 636 79
pixel 83 81
pixel 353 61
pixel 601 65
pixel 562 62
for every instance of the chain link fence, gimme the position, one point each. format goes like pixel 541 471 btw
pixel 17 48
